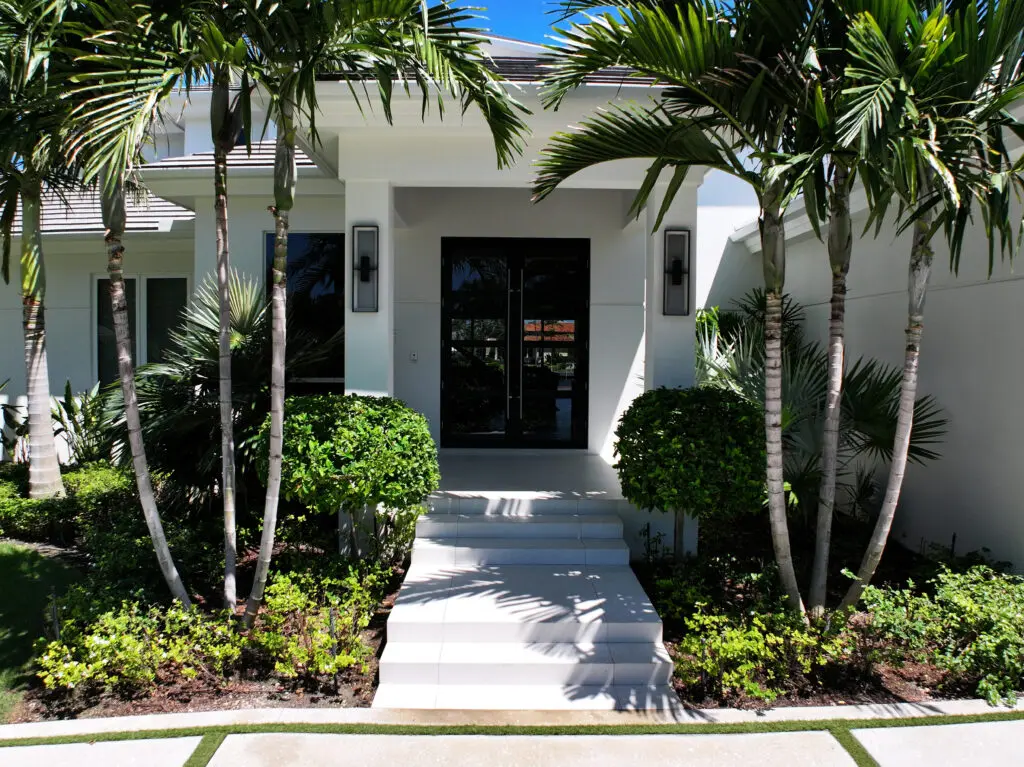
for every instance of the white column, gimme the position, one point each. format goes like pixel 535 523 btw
pixel 370 336
pixel 669 342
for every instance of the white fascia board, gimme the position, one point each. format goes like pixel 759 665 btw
pixel 797 222
pixel 183 187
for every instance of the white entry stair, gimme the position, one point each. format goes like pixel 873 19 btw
pixel 523 607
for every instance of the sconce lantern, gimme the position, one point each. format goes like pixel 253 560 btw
pixel 677 273
pixel 365 266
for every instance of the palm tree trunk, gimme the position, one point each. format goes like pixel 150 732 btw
pixel 114 222
pixel 920 270
pixel 284 194
pixel 840 247
pixel 43 468
pixel 773 248
pixel 222 127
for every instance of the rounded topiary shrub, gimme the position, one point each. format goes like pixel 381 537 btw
pixel 698 451
pixel 349 452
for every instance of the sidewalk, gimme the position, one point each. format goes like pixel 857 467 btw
pixel 852 742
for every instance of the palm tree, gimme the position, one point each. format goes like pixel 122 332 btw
pixel 931 86
pixel 386 42
pixel 719 65
pixel 109 146
pixel 144 54
pixel 31 161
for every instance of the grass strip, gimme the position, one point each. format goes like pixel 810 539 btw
pixel 853 747
pixel 624 729
pixel 205 750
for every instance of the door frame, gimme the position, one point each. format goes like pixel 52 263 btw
pixel 516 248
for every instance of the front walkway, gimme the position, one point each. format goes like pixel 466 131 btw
pixel 951 745
pixel 520 595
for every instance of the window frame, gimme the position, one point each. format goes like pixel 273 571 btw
pixel 268 254
pixel 141 312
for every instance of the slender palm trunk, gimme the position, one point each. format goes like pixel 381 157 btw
pixel 224 132
pixel 43 468
pixel 114 221
pixel 284 188
pixel 840 247
pixel 773 242
pixel 920 269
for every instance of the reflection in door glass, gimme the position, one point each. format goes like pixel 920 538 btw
pixel 549 330
pixel 547 418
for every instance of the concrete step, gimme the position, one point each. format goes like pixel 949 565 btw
pixel 460 551
pixel 521 504
pixel 550 526
pixel 519 663
pixel 528 697
pixel 516 603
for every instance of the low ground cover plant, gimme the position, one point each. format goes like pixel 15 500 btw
pixel 734 642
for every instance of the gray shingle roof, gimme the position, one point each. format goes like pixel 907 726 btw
pixel 79 212
pixel 526 69
pixel 261 156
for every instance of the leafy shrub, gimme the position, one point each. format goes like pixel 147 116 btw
pixel 85 423
pixel 354 452
pixel 133 646
pixel 699 451
pixel 311 624
pixel 179 397
pixel 730 355
pixel 753 655
pixel 972 626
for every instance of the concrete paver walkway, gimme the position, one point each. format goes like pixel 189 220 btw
pixel 953 745
pixel 764 750
pixel 170 752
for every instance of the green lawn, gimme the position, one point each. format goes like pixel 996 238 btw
pixel 26 578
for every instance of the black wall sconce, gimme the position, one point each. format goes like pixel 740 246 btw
pixel 365 267
pixel 677 273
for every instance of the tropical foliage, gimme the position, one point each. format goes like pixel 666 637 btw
pixel 730 356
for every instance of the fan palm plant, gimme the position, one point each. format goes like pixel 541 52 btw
pixel 931 86
pixel 389 42
pixel 140 53
pixel 718 66
pixel 32 160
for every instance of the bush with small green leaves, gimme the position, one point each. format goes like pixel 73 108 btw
pixel 698 451
pixel 312 623
pixel 971 625
pixel 133 646
pixel 354 452
pixel 753 655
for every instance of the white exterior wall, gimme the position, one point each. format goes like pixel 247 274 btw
pixel 972 361
pixel 617 285
pixel 249 222
pixel 72 263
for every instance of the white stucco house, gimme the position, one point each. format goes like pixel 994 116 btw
pixel 515 326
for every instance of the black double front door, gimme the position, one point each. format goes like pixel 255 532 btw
pixel 514 340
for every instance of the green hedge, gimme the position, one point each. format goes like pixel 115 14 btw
pixel 699 451
pixel 353 451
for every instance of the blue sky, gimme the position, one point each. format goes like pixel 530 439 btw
pixel 529 20
pixel 519 19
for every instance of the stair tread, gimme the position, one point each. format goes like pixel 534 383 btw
pixel 490 542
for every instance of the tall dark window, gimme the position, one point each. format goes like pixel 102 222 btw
pixel 164 300
pixel 106 344
pixel 316 301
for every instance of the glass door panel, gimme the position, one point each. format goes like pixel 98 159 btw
pixel 526 387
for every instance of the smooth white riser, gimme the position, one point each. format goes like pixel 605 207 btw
pixel 538 664
pixel 457 552
pixel 506 631
pixel 548 526
pixel 451 697
pixel 522 506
